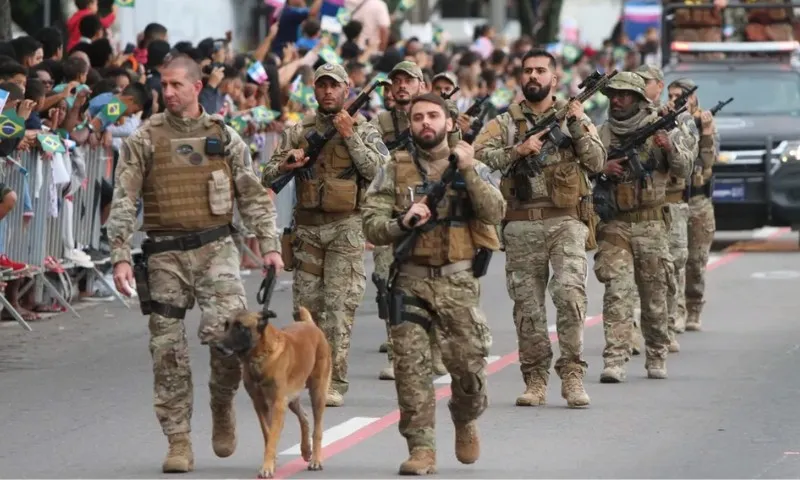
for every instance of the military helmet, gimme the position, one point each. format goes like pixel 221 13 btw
pixel 627 81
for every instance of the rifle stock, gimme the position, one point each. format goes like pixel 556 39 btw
pixel 316 142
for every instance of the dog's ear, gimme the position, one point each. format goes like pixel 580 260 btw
pixel 263 320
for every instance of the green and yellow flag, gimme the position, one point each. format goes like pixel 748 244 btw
pixel 11 125
pixel 239 124
pixel 109 114
pixel 51 143
pixel 125 3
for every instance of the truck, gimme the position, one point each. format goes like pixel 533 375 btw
pixel 756 178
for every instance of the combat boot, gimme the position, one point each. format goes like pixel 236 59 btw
pixel 572 390
pixel 693 321
pixel 437 366
pixel 421 461
pixel 387 373
pixel 613 374
pixel 180 458
pixel 334 399
pixel 468 445
pixel 535 391
pixel 674 346
pixel 384 347
pixel 223 431
pixel 656 368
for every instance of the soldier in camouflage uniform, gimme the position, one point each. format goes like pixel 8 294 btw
pixel 547 223
pixel 407 83
pixel 437 285
pixel 329 277
pixel 188 195
pixel 701 225
pixel 633 247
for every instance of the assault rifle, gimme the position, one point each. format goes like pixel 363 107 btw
pixel 636 140
pixel 316 141
pixel 715 109
pixel 530 165
pixel 452 92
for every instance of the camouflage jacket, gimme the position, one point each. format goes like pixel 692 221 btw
pixel 366 148
pixel 253 202
pixel 380 225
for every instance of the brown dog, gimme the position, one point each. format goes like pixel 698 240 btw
pixel 277 365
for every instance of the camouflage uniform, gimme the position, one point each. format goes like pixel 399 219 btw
pixel 153 162
pixel 633 248
pixel 696 25
pixel 547 225
pixel 701 227
pixel 391 124
pixel 329 277
pixel 448 299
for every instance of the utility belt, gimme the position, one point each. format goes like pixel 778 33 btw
pixel 309 218
pixel 646 215
pixel 183 243
pixel 676 197
pixel 424 271
pixel 540 213
pixel 705 190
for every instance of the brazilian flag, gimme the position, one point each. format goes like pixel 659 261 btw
pixel 239 124
pixel 11 125
pixel 125 3
pixel 109 114
pixel 51 143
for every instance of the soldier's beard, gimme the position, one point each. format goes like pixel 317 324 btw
pixel 330 111
pixel 535 94
pixel 624 113
pixel 431 142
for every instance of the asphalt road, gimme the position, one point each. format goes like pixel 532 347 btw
pixel 77 394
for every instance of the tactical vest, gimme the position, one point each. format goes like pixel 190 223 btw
pixel 457 235
pixel 767 16
pixel 184 189
pixel 562 182
pixel 696 18
pixel 333 186
pixel 630 194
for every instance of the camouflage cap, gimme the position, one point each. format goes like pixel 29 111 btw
pixel 650 72
pixel 336 72
pixel 449 76
pixel 410 68
pixel 683 83
pixel 629 81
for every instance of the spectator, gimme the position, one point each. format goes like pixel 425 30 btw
pixel 85 8
pixel 75 70
pixel 152 32
pixel 35 91
pixel 375 20
pixel 350 49
pixel 52 43
pixel 101 53
pixel 293 14
pixel 91 29
pixel 28 51
pixel 312 33
pixel 14 73
pixel 120 76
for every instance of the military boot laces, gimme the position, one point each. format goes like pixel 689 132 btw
pixel 535 392
pixel 572 390
pixel 422 461
pixel 613 374
pixel 180 458
pixel 468 445
pixel 223 431
pixel 387 373
pixel 656 369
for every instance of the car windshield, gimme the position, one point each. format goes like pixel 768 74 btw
pixel 777 93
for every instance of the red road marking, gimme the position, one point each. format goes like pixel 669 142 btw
pixel 374 428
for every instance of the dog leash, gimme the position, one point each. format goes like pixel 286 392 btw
pixel 264 295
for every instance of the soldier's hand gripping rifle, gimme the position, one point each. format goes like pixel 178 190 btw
pixel 550 126
pixel 316 141
pixel 629 149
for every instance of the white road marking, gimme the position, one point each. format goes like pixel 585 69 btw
pixel 445 379
pixel 765 232
pixel 713 258
pixel 334 433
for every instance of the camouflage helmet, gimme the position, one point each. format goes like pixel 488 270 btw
pixel 627 81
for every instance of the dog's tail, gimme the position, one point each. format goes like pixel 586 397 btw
pixel 304 315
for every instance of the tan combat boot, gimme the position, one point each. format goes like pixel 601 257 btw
pixel 384 347
pixel 613 374
pixel 180 458
pixel 674 346
pixel 437 366
pixel 572 390
pixel 387 373
pixel 693 321
pixel 468 445
pixel 223 431
pixel 656 368
pixel 535 391
pixel 421 461
pixel 335 399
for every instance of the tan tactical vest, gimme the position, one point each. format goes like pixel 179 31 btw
pixel 768 16
pixel 696 18
pixel 631 195
pixel 562 182
pixel 185 189
pixel 325 191
pixel 452 240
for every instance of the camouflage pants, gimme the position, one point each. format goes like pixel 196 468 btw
pixel 333 297
pixel 678 249
pixel 209 275
pixel 701 235
pixel 633 256
pixel 464 337
pixel 531 247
